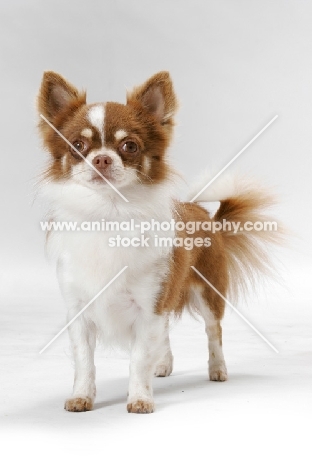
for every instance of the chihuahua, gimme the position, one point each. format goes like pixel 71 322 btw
pixel 108 165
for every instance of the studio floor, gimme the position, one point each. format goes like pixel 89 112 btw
pixel 261 413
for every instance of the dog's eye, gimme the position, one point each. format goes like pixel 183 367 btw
pixel 80 146
pixel 129 147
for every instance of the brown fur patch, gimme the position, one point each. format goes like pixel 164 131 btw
pixel 157 97
pixel 146 132
pixel 228 264
pixel 210 261
pixel 59 102
pixel 247 253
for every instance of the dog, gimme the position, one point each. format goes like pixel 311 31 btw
pixel 108 164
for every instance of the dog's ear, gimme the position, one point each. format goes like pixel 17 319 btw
pixel 57 95
pixel 157 96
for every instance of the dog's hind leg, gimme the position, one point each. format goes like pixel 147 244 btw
pixel 165 365
pixel 211 307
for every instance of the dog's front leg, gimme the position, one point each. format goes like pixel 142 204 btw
pixel 82 334
pixel 148 347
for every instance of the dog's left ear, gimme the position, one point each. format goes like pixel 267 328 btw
pixel 157 96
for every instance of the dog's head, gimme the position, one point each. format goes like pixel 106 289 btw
pixel 124 143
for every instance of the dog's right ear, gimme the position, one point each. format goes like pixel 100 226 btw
pixel 57 95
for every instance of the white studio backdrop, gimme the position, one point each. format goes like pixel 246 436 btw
pixel 235 65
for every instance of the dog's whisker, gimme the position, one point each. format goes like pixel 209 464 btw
pixel 145 175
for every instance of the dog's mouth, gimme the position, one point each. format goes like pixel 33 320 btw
pixel 101 176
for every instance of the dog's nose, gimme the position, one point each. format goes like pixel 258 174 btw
pixel 101 161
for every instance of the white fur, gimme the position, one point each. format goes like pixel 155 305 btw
pixel 86 132
pixel 64 161
pixel 120 134
pixel 124 313
pixel 217 366
pixel 165 365
pixel 147 164
pixel 96 117
pixel 225 186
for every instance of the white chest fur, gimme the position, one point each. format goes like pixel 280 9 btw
pixel 87 262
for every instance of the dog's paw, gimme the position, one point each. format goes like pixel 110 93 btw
pixel 164 368
pixel 141 406
pixel 79 404
pixel 218 373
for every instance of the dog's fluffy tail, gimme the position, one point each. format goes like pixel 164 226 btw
pixel 248 251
